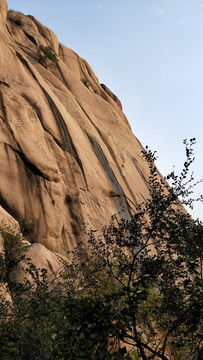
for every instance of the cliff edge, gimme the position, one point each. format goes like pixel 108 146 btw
pixel 68 157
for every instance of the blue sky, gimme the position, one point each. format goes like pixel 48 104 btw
pixel 150 54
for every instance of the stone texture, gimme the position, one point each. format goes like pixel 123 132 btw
pixel 68 157
pixel 3 9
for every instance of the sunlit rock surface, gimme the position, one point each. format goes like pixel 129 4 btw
pixel 68 157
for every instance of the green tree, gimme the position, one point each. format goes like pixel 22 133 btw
pixel 149 270
pixel 135 292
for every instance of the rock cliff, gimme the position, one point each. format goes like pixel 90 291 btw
pixel 68 157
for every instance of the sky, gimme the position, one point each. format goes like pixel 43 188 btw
pixel 150 54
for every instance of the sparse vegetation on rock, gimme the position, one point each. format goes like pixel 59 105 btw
pixel 47 56
pixel 85 82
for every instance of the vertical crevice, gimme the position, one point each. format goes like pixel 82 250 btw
pixel 140 172
pixel 62 76
pixel 119 198
pixel 133 199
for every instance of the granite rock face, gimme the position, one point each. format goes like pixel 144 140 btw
pixel 68 157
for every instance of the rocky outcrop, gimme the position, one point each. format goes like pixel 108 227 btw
pixel 3 9
pixel 113 96
pixel 68 157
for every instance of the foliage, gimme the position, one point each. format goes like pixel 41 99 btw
pixel 14 249
pixel 133 293
pixel 47 56
pixel 85 82
pixel 149 270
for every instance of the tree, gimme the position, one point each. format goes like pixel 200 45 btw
pixel 133 293
pixel 149 270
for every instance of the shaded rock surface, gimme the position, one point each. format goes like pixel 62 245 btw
pixel 68 157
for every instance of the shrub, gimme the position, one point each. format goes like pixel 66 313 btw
pixel 47 56
pixel 149 271
pixel 14 249
pixel 134 292
pixel 85 82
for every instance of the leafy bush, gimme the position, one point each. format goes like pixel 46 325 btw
pixel 47 56
pixel 14 249
pixel 85 82
pixel 135 292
